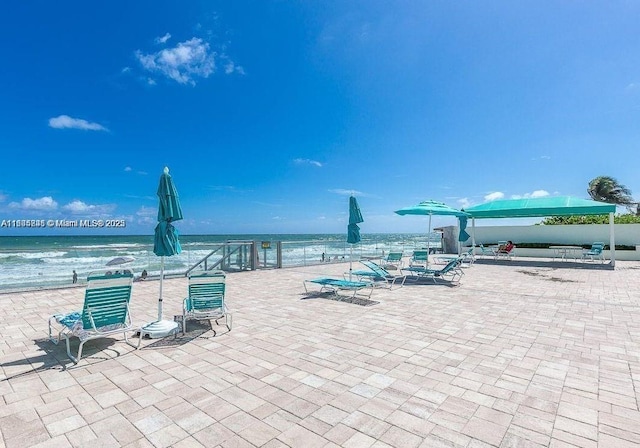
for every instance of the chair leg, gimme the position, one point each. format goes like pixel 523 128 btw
pixel 136 346
pixel 71 357
pixel 60 333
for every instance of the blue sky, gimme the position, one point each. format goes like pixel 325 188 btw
pixel 269 114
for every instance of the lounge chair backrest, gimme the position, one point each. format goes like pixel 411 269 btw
pixel 451 265
pixel 394 256
pixel 380 271
pixel 420 255
pixel 106 299
pixel 207 290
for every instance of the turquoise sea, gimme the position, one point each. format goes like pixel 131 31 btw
pixel 28 262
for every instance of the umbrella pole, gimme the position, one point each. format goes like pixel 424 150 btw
pixel 159 328
pixel 350 260
pixel 161 282
pixel 428 241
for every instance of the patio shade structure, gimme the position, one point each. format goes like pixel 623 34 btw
pixel 542 207
pixel 165 244
pixel 431 208
pixel 353 231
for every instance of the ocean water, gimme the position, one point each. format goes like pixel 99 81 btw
pixel 30 262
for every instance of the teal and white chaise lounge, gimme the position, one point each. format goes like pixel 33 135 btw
pixel 206 300
pixel 451 272
pixel 334 285
pixel 467 258
pixel 379 275
pixel 105 312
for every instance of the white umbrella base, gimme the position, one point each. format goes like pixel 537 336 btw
pixel 159 329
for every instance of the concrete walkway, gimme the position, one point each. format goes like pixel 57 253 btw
pixel 516 356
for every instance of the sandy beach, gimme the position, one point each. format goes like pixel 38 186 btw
pixel 517 355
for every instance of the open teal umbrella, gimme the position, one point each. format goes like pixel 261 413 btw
pixel 431 208
pixel 353 231
pixel 165 244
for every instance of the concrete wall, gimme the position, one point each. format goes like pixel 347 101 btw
pixel 625 234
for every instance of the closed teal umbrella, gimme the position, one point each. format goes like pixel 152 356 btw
pixel 165 244
pixel 169 207
pixel 464 236
pixel 353 231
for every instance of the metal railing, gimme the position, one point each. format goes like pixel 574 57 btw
pixel 229 256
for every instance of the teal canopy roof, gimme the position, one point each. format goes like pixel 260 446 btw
pixel 539 207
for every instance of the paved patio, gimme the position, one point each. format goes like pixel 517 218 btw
pixel 516 356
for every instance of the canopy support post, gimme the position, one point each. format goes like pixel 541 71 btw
pixel 612 240
pixel 473 235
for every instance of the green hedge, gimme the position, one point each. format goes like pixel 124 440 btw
pixel 626 218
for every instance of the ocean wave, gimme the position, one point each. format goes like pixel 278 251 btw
pixel 108 246
pixel 78 260
pixel 33 255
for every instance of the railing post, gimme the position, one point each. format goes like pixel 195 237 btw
pixel 254 255
pixel 279 254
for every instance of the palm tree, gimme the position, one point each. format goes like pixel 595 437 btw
pixel 607 189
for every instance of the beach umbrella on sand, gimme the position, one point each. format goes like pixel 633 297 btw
pixel 120 260
pixel 165 244
pixel 431 208
pixel 353 231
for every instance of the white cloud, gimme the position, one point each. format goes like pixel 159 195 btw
pixel 3 197
pixel 464 202
pixel 494 196
pixel 147 215
pixel 541 158
pixel 147 211
pixel 307 162
pixel 77 206
pixel 163 39
pixel 151 81
pixel 344 192
pixel 230 67
pixel 45 203
pixel 182 63
pixel 539 194
pixel 67 122
pixel 125 70
pixel 535 194
pixel 127 168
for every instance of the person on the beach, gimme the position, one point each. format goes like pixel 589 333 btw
pixel 506 248
pixel 75 276
pixel 143 276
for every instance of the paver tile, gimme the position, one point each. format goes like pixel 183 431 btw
pixel 552 361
